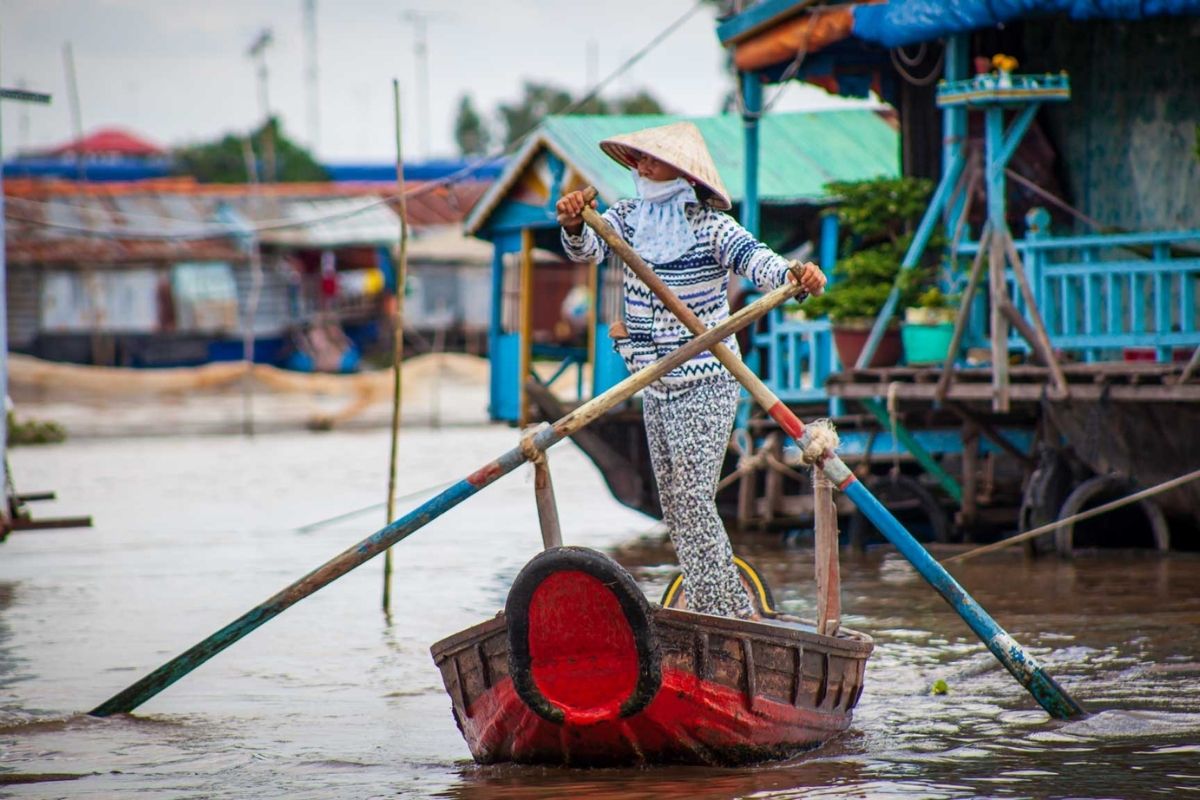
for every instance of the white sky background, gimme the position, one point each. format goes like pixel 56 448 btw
pixel 177 72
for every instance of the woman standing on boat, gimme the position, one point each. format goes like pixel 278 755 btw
pixel 677 224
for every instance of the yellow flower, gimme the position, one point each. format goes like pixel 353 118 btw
pixel 1004 63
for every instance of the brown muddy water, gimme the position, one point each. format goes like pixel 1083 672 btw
pixel 334 700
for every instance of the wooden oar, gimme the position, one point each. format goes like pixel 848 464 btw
pixel 1023 666
pixel 368 548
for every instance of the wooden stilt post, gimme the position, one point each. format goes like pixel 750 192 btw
pixel 970 475
pixel 829 577
pixel 999 296
pixel 747 486
pixel 773 481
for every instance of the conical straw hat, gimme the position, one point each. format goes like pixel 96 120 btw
pixel 679 144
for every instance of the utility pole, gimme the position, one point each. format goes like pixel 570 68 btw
pixel 592 67
pixel 419 20
pixel 314 97
pixel 258 53
pixel 73 99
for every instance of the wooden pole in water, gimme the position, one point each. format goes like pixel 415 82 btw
pixel 829 576
pixel 1020 664
pixel 358 554
pixel 397 344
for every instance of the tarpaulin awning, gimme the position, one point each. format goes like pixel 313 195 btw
pixel 776 31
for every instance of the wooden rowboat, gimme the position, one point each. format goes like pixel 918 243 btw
pixel 580 670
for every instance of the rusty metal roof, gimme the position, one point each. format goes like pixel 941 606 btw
pixel 93 229
pixel 161 220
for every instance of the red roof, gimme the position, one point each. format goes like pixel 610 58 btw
pixel 109 142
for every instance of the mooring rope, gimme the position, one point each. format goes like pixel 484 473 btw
pixel 1082 515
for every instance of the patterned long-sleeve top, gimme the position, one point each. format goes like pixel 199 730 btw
pixel 700 277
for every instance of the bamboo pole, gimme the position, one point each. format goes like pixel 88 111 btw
pixel 397 344
pixel 358 554
pixel 1020 664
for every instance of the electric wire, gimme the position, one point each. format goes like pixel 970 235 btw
pixel 232 230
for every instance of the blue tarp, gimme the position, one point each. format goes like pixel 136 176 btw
pixel 902 22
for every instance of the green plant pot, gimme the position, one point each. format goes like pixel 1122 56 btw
pixel 926 344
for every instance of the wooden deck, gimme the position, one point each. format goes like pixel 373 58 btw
pixel 1116 381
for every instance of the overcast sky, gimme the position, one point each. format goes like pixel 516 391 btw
pixel 177 71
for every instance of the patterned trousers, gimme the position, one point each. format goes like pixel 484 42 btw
pixel 688 433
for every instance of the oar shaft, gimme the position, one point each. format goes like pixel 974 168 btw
pixel 1022 666
pixel 181 665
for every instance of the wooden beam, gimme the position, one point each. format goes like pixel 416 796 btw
pixel 1041 338
pixel 964 312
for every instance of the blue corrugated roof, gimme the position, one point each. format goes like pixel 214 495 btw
pixel 902 22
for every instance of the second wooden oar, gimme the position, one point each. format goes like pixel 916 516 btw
pixel 368 548
pixel 1015 659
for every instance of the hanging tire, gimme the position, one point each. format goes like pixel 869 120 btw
pixel 581 642
pixel 908 500
pixel 1100 487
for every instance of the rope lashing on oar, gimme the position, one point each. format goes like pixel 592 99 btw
pixel 822 443
pixel 1165 486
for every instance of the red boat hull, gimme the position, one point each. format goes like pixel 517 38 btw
pixel 698 689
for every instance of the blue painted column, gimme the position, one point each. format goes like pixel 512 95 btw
pixel 824 340
pixel 752 108
pixel 829 244
pixel 954 120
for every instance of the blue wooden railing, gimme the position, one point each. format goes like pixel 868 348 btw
pixel 1101 295
pixel 797 356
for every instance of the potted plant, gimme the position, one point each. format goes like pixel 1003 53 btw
pixel 880 217
pixel 928 327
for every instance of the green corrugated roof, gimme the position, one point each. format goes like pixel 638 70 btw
pixel 800 151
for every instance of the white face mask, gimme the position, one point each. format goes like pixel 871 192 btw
pixel 661 229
